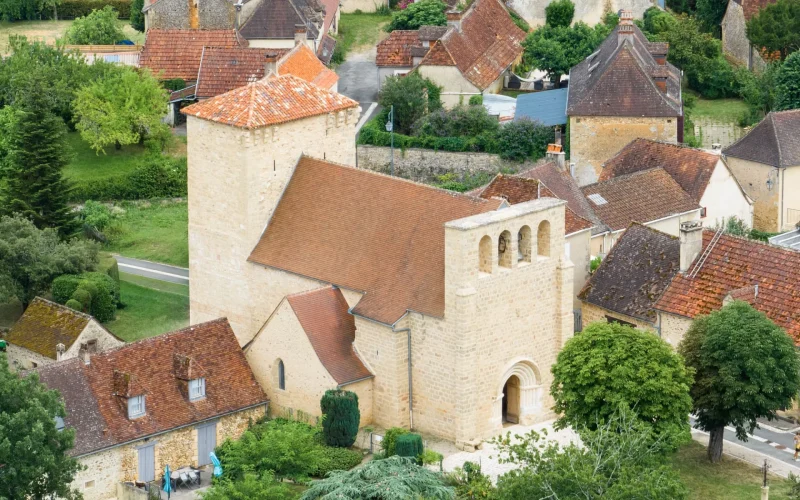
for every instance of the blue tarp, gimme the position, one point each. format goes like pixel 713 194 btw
pixel 548 107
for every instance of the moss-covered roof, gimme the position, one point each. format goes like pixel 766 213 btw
pixel 46 324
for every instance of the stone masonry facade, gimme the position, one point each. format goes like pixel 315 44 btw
pixel 191 14
pixel 591 313
pixel 734 38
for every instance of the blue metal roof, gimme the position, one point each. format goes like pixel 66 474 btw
pixel 548 107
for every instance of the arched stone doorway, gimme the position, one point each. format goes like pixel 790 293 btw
pixel 519 394
pixel 511 400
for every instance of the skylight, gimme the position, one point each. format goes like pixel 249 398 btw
pixel 597 199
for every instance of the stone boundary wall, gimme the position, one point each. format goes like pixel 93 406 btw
pixel 425 165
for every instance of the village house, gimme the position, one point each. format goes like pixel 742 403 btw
pixel 48 332
pixel 590 12
pixel 703 175
pixel 458 304
pixel 651 197
pixel 190 14
pixel 398 53
pixel 475 54
pixel 735 44
pixel 165 400
pixel 767 164
pixel 624 90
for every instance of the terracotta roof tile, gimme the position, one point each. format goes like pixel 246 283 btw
pixel 303 63
pixel 172 53
pixel 774 141
pixel 438 56
pixel 635 273
pixel 331 329
pixel 276 19
pixel 733 264
pixel 431 33
pixel 364 231
pixel 224 69
pixel 691 168
pixel 46 324
pixel 270 102
pixel 639 197
pixel 396 49
pixel 88 390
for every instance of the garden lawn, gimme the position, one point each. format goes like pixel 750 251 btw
pixel 729 480
pixel 49 31
pixel 151 308
pixel 157 231
pixel 87 166
pixel 359 31
pixel 722 110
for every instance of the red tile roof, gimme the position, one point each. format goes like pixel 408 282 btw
pixel 303 63
pixel 331 329
pixel 364 231
pixel 396 49
pixel 639 197
pixel 691 168
pixel 172 53
pixel 733 264
pixel 485 46
pixel 270 102
pixel 149 367
pixel 224 69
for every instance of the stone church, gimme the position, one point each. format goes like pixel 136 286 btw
pixel 442 311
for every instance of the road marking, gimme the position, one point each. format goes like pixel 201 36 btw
pixel 775 445
pixel 129 266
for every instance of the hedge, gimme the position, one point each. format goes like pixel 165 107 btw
pixel 97 292
pixel 341 418
pixel 409 445
pixel 336 459
pixel 63 287
pixel 70 9
pixel 155 177
pixel 390 440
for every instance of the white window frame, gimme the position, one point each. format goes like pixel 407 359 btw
pixel 136 407
pixel 197 389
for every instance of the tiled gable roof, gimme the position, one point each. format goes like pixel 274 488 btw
pixel 276 19
pixel 520 189
pixel 733 264
pixel 396 49
pixel 364 231
pixel 691 168
pixel 774 141
pixel 173 53
pixel 331 329
pixel 431 33
pixel 639 197
pixel 224 69
pixel 487 43
pixel 303 63
pixel 617 80
pixel 635 273
pixel 270 102
pixel 46 324
pixel 438 56
pixel 89 390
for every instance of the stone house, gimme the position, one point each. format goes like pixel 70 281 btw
pixel 189 14
pixel 402 50
pixel 767 164
pixel 704 175
pixel 651 197
pixel 625 90
pixel 459 304
pixel 475 54
pixel 165 400
pixel 590 12
pixel 48 332
pixel 735 44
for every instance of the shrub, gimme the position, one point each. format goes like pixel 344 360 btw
pixel 263 487
pixel 70 9
pixel 461 121
pixel 104 301
pixel 137 16
pixel 336 459
pixel 84 297
pixel 518 20
pixel 390 440
pixel 470 483
pixel 430 457
pixel 156 176
pixel 96 215
pixel 421 13
pixel 340 418
pixel 109 265
pixel 523 139
pixel 409 445
pixel 476 100
pixel 97 28
pixel 63 287
pixel 174 84
pixel 75 305
pixel 408 97
pixel 559 13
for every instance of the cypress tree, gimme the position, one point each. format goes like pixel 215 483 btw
pixel 34 153
pixel 341 418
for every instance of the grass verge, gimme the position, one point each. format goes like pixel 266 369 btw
pixel 358 31
pixel 149 308
pixel 87 166
pixel 50 31
pixel 156 231
pixel 721 110
pixel 728 480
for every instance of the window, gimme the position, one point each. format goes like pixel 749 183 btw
pixel 543 239
pixel 703 212
pixel 485 257
pixel 34 364
pixel 524 244
pixel 197 389
pixel 504 249
pixel 135 407
pixel 281 376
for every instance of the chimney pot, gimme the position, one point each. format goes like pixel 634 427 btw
pixel 300 34
pixel 691 239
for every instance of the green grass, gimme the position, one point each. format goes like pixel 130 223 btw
pixel 86 165
pixel 157 231
pixel 358 31
pixel 729 480
pixel 149 309
pixel 722 110
pixel 49 31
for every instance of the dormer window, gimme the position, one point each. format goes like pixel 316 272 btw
pixel 136 407
pixel 197 389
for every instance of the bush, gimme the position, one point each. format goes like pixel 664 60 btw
pixel 97 28
pixel 336 459
pixel 390 440
pixel 84 297
pixel 411 97
pixel 476 100
pixel 71 9
pixel 104 302
pixel 420 13
pixel 340 418
pixel 470 483
pixel 137 16
pixel 559 13
pixel 409 445
pixel 156 176
pixel 109 265
pixel 522 139
pixel 461 121
pixel 96 215
pixel 63 287
pixel 75 305
pixel 254 487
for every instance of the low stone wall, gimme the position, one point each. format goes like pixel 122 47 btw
pixel 426 165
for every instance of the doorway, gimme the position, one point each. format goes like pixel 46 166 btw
pixel 511 400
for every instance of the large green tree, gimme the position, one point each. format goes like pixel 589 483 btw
pixel 31 258
pixel 412 98
pixel 124 107
pixel 559 13
pixel 34 153
pixel 556 49
pixel 417 14
pixel 33 454
pixel 787 83
pixel 776 28
pixel 746 368
pixel 620 460
pixel 610 364
pixel 251 487
pixel 137 16
pixel 100 27
pixel 710 13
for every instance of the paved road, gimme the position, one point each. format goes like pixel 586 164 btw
pixel 161 272
pixel 777 444
pixel 358 78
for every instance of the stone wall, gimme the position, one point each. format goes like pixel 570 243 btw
pixel 455 88
pixel 734 39
pixel 426 165
pixel 589 11
pixel 182 14
pixel 93 331
pixel 20 358
pixel 674 327
pixel 752 177
pixel 348 6
pixel 591 313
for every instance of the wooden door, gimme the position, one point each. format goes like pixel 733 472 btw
pixel 512 400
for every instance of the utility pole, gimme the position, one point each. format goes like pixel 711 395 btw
pixel 764 487
pixel 390 129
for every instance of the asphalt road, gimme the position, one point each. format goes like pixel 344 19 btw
pixel 775 443
pixel 161 272
pixel 358 78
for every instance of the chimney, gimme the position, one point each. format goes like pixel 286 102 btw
pixel 300 34
pixel 558 136
pixel 270 64
pixel 60 348
pixel 625 27
pixel 691 243
pixel 660 74
pixel 454 19
pixel 555 153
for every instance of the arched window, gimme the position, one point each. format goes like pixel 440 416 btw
pixel 504 249
pixel 485 257
pixel 281 376
pixel 524 244
pixel 543 239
